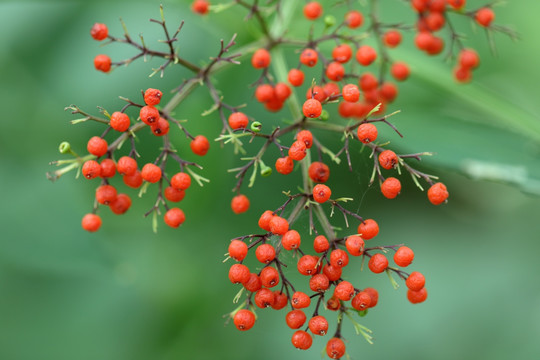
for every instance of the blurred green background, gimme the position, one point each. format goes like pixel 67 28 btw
pixel 126 293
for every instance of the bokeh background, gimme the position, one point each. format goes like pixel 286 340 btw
pixel 126 293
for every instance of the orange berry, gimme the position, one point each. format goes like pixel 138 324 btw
pixel 374 296
pixel 378 263
pixel 240 204
pixel 462 74
pixel 265 253
pixel 318 172
pixel 321 193
pixel 301 340
pixel 312 108
pixel 316 92
pixel 333 273
pixel 351 93
pixel 238 250
pixel 296 77
pixel 284 165
pixel 238 120
pixel 319 283
pixel 91 169
pixel 254 283
pixel 119 121
pixel 105 194
pixel 264 93
pixel 102 63
pixel 108 168
pixel 342 53
pixel 313 10
pixel 199 145
pixel 126 165
pixel 91 222
pixel 297 151
pixel 403 256
pixel 400 71
pixel 367 133
pixel 181 181
pixel 134 180
pixel 365 55
pixel 278 225
pixel 121 204
pixel 318 325
pixel 149 115
pixel 391 187
pixel 354 19
pixel 392 38
pixel 300 300
pixel 388 92
pixel 264 220
pixel 295 319
pixel 200 7
pixel 355 245
pixel 388 159
pixel 484 16
pixel 456 4
pixel 361 301
pixel 306 136
pixel 239 274
pixel 291 240
pixel 173 194
pixel 282 91
pixel 335 348
pixel 269 277
pixel 330 89
pixel 160 127
pixel 344 291
pixel 437 193
pixel 309 57
pixel 417 297
pixel 307 265
pixel 174 217
pixel 415 281
pixel 151 173
pixel 261 59
pixel 321 244
pixel 243 319
pixel 368 229
pixel 339 258
pixel 468 58
pixel 335 71
pixel 99 31
pixel 97 146
pixel 152 97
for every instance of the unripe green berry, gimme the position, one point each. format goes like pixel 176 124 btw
pixel 266 170
pixel 329 20
pixel 64 147
pixel 324 115
pixel 256 126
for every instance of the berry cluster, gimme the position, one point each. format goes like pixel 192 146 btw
pixel 349 99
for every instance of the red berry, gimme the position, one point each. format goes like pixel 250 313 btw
pixel 306 136
pixel 265 253
pixel 243 319
pixel 278 225
pixel 253 284
pixel 296 77
pixel 388 92
pixel 238 250
pixel 423 40
pixel 239 274
pixel 119 121
pixel 264 93
pixel 392 38
pixel 368 229
pixel 333 273
pixel 264 298
pixel 456 4
pixel 318 172
pixel 134 180
pixel 318 325
pixel 274 104
pixel 238 120
pixel 434 20
pixel 106 194
pixel 437 5
pixel 199 145
pixel 297 151
pixel 280 300
pixel 351 93
pixel 378 263
pixel 354 19
pixel 282 91
pixel 291 240
pixel 97 146
pixel 321 193
pixel 309 57
pixel 333 304
pixel 152 97
pixel 261 59
pixel 121 204
pixel 181 181
pixel 335 348
pixel 403 256
pixel 391 187
pixel 301 340
pixel 161 127
pixel 368 82
pixel 335 71
pixel 415 281
pixel 420 5
pixel 264 220
pixel 361 301
pixel 388 159
pixel 300 300
pixel 344 291
pixel 339 258
pixel 149 115
pixel 366 55
pixel 126 165
pixel 437 193
pixel 321 244
pixel 355 245
pixel 200 7
pixel 102 63
pixel 295 319
pixel 468 58
pixel 462 74
pixel 91 222
pixel 307 265
pixel 319 283
pixel 400 71
pixel 342 53
pixel 151 173
pixel 374 296
pixel 367 133
pixel 99 31
pixel 240 204
pixel 313 10
pixel 317 93
pixel 417 297
pixel 91 169
pixel 174 217
pixel 269 277
pixel 485 16
pixel 284 165
pixel 108 168
pixel 312 108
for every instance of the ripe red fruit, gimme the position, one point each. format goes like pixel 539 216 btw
pixel 378 263
pixel 97 146
pixel 264 93
pixel 284 165
pixel 462 74
pixel 365 55
pixel 484 16
pixel 296 77
pixel 174 217
pixel 468 58
pixel 280 300
pixel 105 194
pixel 181 181
pixel 355 245
pixel 91 222
pixel 318 172
pixel 264 298
pixel 367 133
pixel 368 82
pixel 312 108
pixel 306 136
pixel 240 204
pixel 318 325
pixel 151 173
pixel 335 71
pixel 301 340
pixel 391 187
pixel 437 6
pixel 126 165
pixel 149 115
pixel 300 300
pixel 319 283
pixel 160 127
pixel 291 240
pixel 119 121
pixel 264 220
pixel 354 19
pixel 199 145
pixel 368 229
pixel 400 71
pixel 134 180
pixel 254 283
pixel 333 273
pixel 392 38
pixel 200 7
pixel 265 253
pixel 374 296
pixel 309 57
pixel 344 291
pixel 261 59
pixel 321 193
pixel 437 193
pixel 388 159
pixel 108 168
pixel 91 169
pixel 282 91
pixel 239 274
pixel 333 304
pixel 416 297
pixel 415 281
pixel 102 63
pixel 403 256
pixel 297 151
pixel 317 93
pixel 420 5
pixel 313 10
pixel 361 301
pixel 330 89
pixel 434 20
pixel 295 319
pixel 339 258
pixel 238 250
pixel 335 348
pixel 99 31
pixel 278 225
pixel 350 93
pixel 342 53
pixel 321 244
pixel 388 92
pixel 152 97
pixel 307 265
pixel 121 204
pixel 269 277
pixel 456 4
pixel 423 40
pixel 243 319
pixel 238 120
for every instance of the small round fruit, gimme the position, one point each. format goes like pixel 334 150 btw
pixel 99 31
pixel 152 97
pixel 313 10
pixel 301 340
pixel 403 256
pixel 119 121
pixel 284 165
pixel 200 7
pixel 365 55
pixel 368 229
pixel 151 173
pixel 416 297
pixel 335 348
pixel 391 187
pixel 318 325
pixel 121 204
pixel 485 16
pixel 295 319
pixel 91 222
pixel 261 59
pixel 321 193
pixel 238 250
pixel 97 146
pixel 437 193
pixel 238 120
pixel 319 172
pixel 174 217
pixel 378 263
pixel 102 63
pixel 415 281
pixel 199 145
pixel 244 319
pixel 240 204
pixel 367 133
